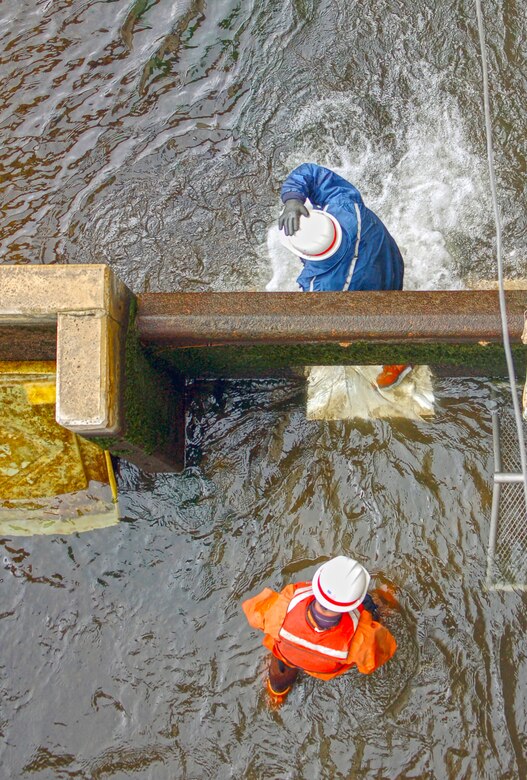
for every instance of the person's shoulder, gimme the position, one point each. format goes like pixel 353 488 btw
pixel 344 209
pixel 303 585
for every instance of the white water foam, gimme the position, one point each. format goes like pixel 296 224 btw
pixel 431 191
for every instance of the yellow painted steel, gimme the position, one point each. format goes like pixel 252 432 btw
pixel 51 480
pixel 111 474
pixel 36 368
pixel 41 392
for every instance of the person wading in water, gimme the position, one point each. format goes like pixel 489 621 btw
pixel 324 627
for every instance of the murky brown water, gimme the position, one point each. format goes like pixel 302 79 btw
pixel 153 136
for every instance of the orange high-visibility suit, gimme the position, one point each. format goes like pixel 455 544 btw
pixel 356 640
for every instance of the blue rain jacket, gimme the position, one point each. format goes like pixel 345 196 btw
pixel 368 257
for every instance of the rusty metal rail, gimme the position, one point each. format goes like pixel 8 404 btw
pixel 194 319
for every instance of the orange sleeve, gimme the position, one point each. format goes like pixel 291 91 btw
pixel 267 610
pixel 372 645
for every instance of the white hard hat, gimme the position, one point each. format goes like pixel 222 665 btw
pixel 340 584
pixel 318 237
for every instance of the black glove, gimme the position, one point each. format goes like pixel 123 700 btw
pixel 371 606
pixel 289 219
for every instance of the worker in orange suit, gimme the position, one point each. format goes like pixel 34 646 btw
pixel 323 627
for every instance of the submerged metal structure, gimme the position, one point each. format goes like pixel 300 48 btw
pixel 507 550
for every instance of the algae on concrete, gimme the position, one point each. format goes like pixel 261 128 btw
pixel 485 359
pixel 153 414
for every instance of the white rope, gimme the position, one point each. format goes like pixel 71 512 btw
pixel 497 219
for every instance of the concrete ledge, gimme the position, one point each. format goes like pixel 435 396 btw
pixel 87 305
pixel 40 292
pixel 106 388
pixel 33 296
pixel 492 284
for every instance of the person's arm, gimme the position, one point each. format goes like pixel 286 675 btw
pixel 266 611
pixel 371 606
pixel 372 644
pixel 317 183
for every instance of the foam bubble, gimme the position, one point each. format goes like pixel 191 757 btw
pixel 285 265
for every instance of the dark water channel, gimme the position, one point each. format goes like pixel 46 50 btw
pixel 153 136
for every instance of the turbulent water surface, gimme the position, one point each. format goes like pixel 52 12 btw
pixel 153 136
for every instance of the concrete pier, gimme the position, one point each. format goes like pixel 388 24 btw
pixel 83 317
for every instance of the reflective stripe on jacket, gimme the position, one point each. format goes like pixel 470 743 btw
pixel 281 616
pixel 368 257
pixel 319 652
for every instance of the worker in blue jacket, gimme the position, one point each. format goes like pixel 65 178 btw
pixel 341 243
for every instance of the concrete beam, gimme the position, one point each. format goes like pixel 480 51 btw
pixel 253 334
pixel 101 392
pixel 37 293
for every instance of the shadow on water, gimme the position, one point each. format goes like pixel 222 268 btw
pixel 153 136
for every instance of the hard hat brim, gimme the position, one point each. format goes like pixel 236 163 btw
pixel 334 605
pixel 285 240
